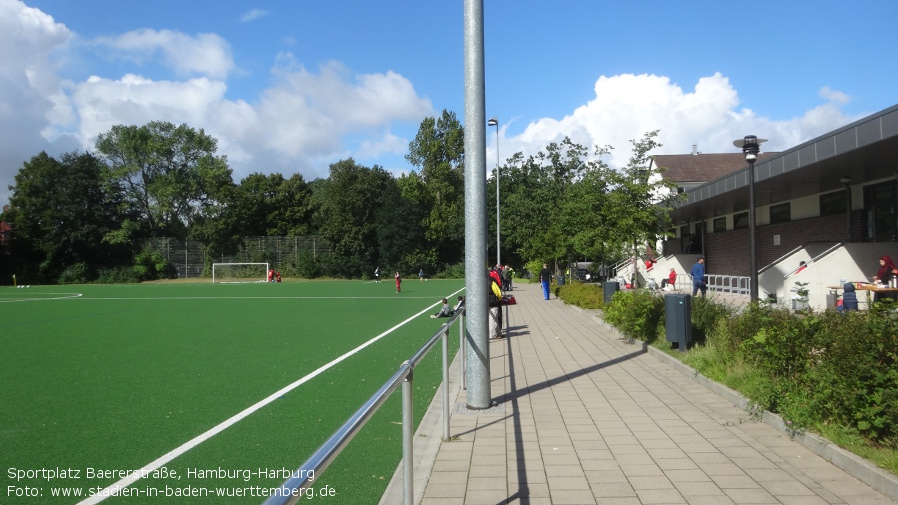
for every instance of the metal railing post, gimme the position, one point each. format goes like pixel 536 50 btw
pixel 408 428
pixel 461 352
pixel 446 384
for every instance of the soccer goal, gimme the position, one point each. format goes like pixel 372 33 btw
pixel 239 272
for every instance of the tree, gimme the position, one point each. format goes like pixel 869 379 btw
pixel 60 213
pixel 350 201
pixel 561 204
pixel 401 246
pixel 438 150
pixel 538 192
pixel 170 175
pixel 272 205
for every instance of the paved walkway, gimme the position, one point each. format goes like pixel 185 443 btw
pixel 584 417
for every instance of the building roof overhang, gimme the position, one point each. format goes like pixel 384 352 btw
pixel 865 150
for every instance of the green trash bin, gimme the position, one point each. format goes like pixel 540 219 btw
pixel 608 289
pixel 560 280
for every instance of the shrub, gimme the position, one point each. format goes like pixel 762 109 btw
pixel 637 314
pixel 854 379
pixel 116 275
pixel 150 265
pixel 587 296
pixel 79 273
pixel 456 271
pixel 706 314
pixel 783 343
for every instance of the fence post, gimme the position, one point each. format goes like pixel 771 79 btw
pixel 446 384
pixel 408 427
pixel 461 351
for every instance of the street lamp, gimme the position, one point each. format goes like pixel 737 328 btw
pixel 751 146
pixel 494 121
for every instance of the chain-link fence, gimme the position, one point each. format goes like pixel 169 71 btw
pixel 189 258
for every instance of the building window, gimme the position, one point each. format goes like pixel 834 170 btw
pixel 740 220
pixel 833 204
pixel 781 213
pixel 720 224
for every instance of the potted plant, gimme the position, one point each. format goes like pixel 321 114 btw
pixel 800 300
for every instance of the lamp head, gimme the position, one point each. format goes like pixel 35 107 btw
pixel 751 146
pixel 494 121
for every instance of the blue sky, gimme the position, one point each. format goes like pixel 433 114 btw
pixel 293 86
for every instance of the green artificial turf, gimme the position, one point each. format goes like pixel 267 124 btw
pixel 120 375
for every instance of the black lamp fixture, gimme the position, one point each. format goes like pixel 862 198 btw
pixel 751 146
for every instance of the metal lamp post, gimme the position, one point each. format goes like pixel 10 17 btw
pixel 494 121
pixel 751 146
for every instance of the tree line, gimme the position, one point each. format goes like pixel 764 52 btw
pixel 83 217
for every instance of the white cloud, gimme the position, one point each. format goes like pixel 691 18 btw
pixel 627 106
pixel 204 54
pixel 834 96
pixel 308 119
pixel 30 90
pixel 252 14
pixel 103 103
pixel 386 144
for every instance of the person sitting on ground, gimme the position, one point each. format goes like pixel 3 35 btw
pixel 670 281
pixel 445 310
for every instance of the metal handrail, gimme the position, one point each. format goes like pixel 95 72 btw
pixel 781 258
pixel 727 283
pixel 795 250
pixel 815 258
pixel 291 490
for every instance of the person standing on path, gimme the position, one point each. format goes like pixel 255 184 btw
pixel 698 277
pixel 545 278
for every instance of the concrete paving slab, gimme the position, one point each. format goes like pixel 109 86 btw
pixel 583 416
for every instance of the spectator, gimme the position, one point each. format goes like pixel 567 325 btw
pixel 545 278
pixel 445 310
pixel 671 280
pixel 698 277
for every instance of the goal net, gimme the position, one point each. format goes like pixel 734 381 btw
pixel 239 272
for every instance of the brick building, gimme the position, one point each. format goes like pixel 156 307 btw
pixel 831 201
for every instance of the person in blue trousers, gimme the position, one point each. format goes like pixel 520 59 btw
pixel 698 277
pixel 545 278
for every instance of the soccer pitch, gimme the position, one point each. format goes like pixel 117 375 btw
pixel 228 385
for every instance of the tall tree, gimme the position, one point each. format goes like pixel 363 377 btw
pixel 61 211
pixel 350 201
pixel 438 150
pixel 401 246
pixel 272 205
pixel 170 174
pixel 638 207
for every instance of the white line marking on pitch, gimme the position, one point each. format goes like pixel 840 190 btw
pixel 171 455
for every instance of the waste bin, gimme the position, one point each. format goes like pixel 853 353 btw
pixel 609 288
pixel 560 280
pixel 678 319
